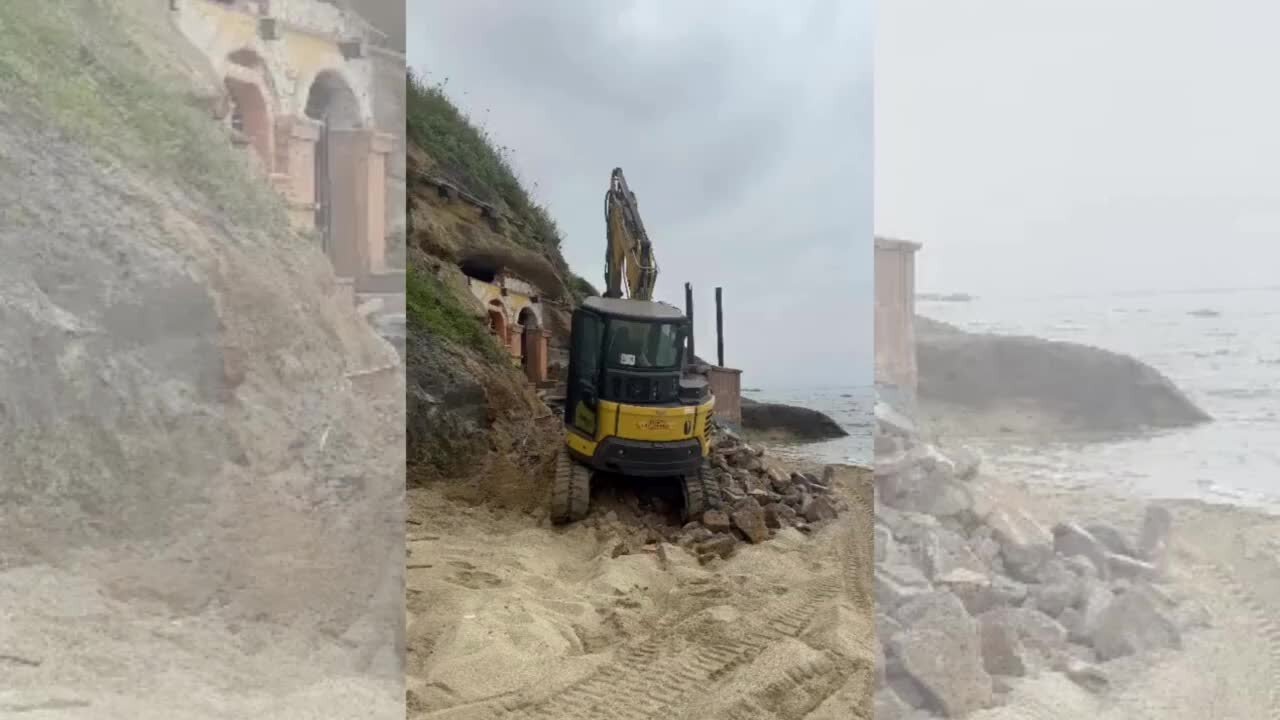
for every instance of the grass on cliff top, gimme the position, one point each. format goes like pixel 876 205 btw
pixel 470 157
pixel 75 65
pixel 434 310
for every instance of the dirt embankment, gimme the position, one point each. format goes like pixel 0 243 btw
pixel 196 431
pixel 474 420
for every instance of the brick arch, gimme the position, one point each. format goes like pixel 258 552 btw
pixel 498 320
pixel 252 113
pixel 254 101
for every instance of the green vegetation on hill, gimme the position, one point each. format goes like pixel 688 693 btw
pixel 433 309
pixel 77 67
pixel 467 156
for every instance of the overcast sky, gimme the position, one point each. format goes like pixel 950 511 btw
pixel 745 134
pixel 1057 146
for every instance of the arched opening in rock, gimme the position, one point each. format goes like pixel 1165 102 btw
pixel 480 268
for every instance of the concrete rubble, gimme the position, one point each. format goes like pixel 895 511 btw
pixel 973 595
pixel 758 499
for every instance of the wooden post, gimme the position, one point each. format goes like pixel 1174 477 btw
pixel 719 329
pixel 688 311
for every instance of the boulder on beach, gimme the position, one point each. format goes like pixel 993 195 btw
pixel 1058 385
pixel 789 421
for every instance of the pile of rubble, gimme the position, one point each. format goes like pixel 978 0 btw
pixel 757 499
pixel 972 594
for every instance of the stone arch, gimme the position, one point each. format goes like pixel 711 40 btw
pixel 498 321
pixel 529 318
pixel 331 99
pixel 531 355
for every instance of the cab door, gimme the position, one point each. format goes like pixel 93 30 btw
pixel 582 394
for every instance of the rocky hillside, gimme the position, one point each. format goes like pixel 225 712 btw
pixel 184 388
pixel 472 415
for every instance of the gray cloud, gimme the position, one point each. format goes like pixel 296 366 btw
pixel 1081 145
pixel 746 136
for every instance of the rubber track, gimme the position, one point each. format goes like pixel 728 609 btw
pixel 570 490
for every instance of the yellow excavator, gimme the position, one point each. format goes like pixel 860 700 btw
pixel 631 405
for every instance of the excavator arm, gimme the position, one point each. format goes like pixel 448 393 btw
pixel 630 268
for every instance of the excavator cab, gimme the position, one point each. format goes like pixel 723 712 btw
pixel 630 409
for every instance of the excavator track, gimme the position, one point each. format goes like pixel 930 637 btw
pixel 570 489
pixel 701 493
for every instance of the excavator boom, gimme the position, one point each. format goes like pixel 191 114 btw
pixel 630 268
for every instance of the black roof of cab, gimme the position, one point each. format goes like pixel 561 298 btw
pixel 633 309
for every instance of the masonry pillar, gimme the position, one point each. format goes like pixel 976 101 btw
pixel 295 173
pixel 535 365
pixel 359 187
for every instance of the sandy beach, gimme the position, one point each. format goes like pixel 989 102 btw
pixel 509 617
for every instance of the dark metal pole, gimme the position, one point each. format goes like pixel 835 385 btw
pixel 719 329
pixel 688 310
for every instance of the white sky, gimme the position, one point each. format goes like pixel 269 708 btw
pixel 1060 146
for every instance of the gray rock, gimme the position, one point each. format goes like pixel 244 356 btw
pixel 1025 545
pixel 966 462
pixel 716 521
pixel 940 649
pixel 1096 598
pixel 1070 539
pixel 1075 385
pixel 944 551
pixel 749 518
pixel 897 584
pixel 817 509
pixel 1082 567
pixel 721 546
pixel 1134 623
pixel 1052 599
pixel 1044 639
pixel 1114 540
pixel 1002 650
pixel 886 627
pixel 999 592
pixel 1087 675
pixel 1153 538
pixel 884 542
pixel 937 493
